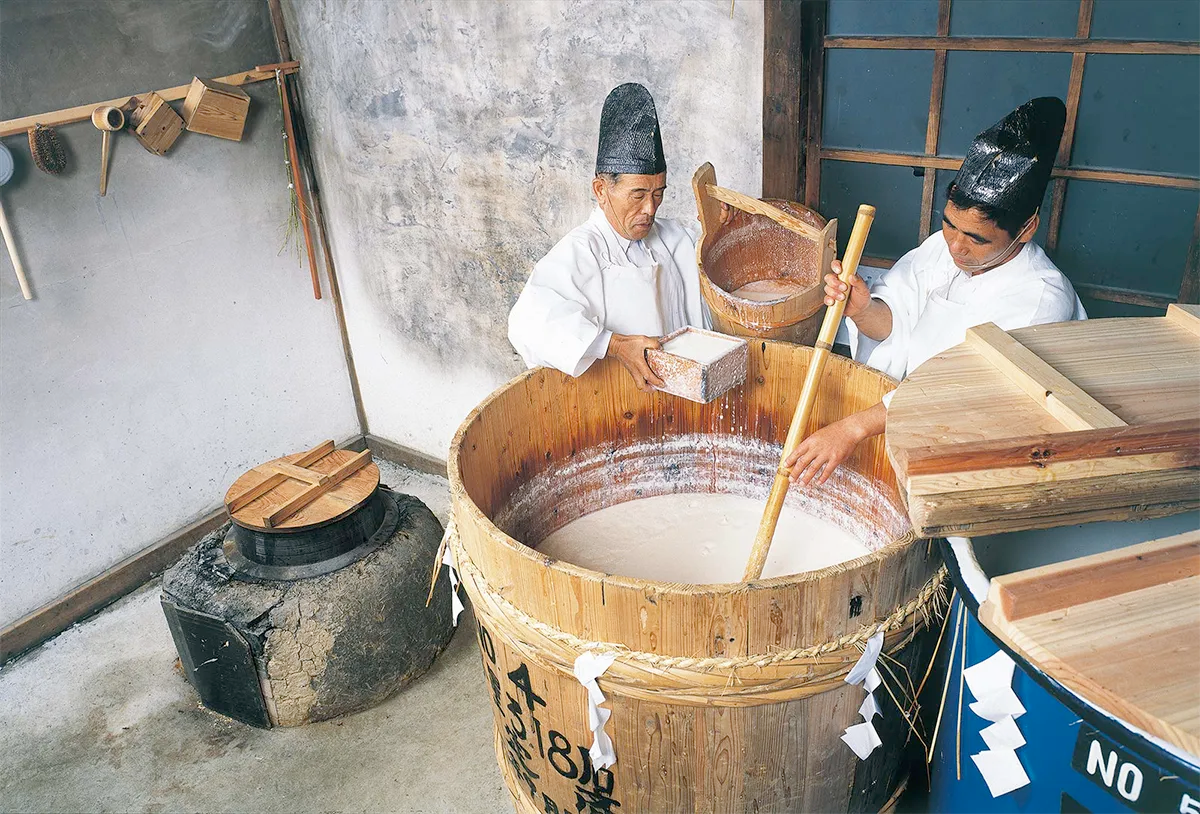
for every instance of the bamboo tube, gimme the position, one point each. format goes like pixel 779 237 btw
pixel 808 395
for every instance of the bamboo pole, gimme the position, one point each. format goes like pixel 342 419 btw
pixel 808 395
pixel 297 181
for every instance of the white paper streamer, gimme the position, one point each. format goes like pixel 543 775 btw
pixel 998 705
pixel 456 605
pixel 990 675
pixel 863 738
pixel 1001 770
pixel 588 667
pixel 1003 734
pixel 990 681
pixel 866 662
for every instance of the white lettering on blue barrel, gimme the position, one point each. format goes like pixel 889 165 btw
pixel 1129 782
pixel 1096 760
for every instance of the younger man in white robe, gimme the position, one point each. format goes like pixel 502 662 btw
pixel 981 267
pixel 624 278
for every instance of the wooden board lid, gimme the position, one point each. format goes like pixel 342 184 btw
pixel 302 490
pixel 1145 599
pixel 1052 425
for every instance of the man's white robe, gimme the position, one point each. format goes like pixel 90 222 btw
pixel 595 283
pixel 934 302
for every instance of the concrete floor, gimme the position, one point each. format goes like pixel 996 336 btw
pixel 98 719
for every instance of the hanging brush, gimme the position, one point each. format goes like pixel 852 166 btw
pixel 6 171
pixel 47 149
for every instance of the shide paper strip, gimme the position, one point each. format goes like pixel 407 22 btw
pixel 990 681
pixel 1001 770
pixel 456 604
pixel 862 738
pixel 588 667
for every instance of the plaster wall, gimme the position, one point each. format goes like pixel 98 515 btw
pixel 170 346
pixel 456 143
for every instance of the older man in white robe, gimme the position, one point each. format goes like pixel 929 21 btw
pixel 624 278
pixel 981 267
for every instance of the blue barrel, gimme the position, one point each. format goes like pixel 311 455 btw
pixel 1078 758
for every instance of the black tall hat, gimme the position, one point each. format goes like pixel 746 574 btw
pixel 1009 164
pixel 630 140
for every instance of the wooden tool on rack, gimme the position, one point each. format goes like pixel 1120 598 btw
pixel 107 120
pixel 808 395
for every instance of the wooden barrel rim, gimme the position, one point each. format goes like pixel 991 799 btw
pixel 462 500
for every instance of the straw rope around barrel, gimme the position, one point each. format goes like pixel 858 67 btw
pixel 706 681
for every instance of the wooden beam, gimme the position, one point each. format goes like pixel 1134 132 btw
pixel 1126 296
pixel 80 113
pixel 313 492
pixel 784 115
pixel 1185 316
pixel 812 36
pixel 933 123
pixel 406 457
pixel 941 163
pixel 1065 45
pixel 1058 198
pixel 1189 287
pixel 102 590
pixel 1057 394
pixel 757 207
pixel 1140 439
pixel 1060 585
pixel 299 473
pixel 1146 179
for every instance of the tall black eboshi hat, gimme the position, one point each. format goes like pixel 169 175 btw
pixel 630 140
pixel 1009 164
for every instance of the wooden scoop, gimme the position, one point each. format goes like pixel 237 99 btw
pixel 107 120
pixel 808 395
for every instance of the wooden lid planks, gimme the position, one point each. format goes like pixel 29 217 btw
pixel 1052 425
pixel 1146 600
pixel 303 490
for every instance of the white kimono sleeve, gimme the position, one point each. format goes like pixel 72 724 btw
pixel 558 320
pixel 900 289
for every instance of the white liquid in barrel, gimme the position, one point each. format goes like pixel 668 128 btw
pixel 703 348
pixel 768 290
pixel 697 538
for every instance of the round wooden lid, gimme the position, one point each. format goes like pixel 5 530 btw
pixel 302 490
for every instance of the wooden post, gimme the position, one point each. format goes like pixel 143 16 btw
pixel 808 395
pixel 784 96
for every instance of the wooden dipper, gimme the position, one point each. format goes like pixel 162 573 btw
pixel 107 120
pixel 808 395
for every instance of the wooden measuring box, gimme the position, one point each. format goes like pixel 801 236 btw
pixel 216 109
pixel 700 377
pixel 155 123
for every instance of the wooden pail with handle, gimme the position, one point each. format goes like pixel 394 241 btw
pixel 726 697
pixel 761 263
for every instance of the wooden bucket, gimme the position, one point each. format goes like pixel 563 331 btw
pixel 724 697
pixel 751 246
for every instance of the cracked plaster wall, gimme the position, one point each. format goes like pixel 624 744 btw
pixel 455 144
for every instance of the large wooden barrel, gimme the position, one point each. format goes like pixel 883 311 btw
pixel 753 249
pixel 724 697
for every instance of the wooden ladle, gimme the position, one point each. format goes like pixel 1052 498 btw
pixel 107 120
